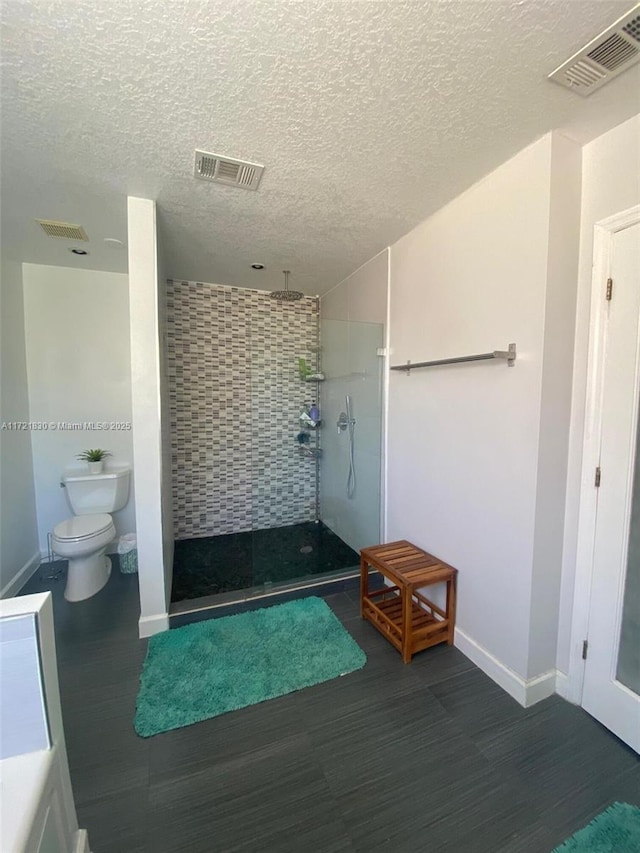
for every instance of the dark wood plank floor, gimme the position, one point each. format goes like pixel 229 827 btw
pixel 427 757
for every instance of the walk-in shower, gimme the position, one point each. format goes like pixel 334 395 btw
pixel 265 492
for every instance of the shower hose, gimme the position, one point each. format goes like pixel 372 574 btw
pixel 351 478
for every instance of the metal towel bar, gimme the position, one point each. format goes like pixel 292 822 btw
pixel 509 355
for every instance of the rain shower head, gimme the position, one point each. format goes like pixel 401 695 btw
pixel 286 295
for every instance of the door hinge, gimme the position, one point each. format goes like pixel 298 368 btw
pixel 609 289
pixel 585 649
pixel 598 478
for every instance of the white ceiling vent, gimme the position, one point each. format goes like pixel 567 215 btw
pixel 608 55
pixel 62 229
pixel 226 170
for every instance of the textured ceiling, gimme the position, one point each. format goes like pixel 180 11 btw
pixel 368 116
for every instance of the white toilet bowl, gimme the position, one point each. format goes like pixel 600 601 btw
pixel 83 540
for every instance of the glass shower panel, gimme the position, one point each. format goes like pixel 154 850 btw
pixel 350 506
pixel 283 470
pixel 628 671
pixel 334 337
pixel 362 526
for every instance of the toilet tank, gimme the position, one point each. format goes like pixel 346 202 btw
pixel 93 493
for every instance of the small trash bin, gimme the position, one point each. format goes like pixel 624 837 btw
pixel 128 554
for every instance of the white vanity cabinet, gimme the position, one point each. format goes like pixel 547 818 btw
pixel 37 812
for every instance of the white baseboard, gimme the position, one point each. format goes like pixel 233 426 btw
pixel 16 583
pixel 569 689
pixel 539 688
pixel 82 842
pixel 525 691
pixel 150 625
pixel 562 684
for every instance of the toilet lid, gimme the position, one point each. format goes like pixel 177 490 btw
pixel 82 526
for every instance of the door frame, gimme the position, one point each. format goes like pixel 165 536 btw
pixel 592 437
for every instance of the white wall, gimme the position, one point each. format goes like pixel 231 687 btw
pixel 353 318
pixel 555 404
pixel 465 474
pixel 165 426
pixel 153 525
pixel 610 184
pixel 79 367
pixel 19 552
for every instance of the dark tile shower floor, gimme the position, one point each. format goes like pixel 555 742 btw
pixel 215 564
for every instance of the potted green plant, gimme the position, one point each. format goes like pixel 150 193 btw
pixel 94 459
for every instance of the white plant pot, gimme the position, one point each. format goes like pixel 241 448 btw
pixel 95 467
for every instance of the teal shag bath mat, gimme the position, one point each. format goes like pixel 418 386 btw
pixel 208 668
pixel 616 830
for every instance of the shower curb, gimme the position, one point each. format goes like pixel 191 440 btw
pixel 206 608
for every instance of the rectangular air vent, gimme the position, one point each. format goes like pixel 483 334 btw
pixel 606 56
pixel 62 229
pixel 226 170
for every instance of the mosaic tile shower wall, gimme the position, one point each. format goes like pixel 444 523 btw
pixel 235 396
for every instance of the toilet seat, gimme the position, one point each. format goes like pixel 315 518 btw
pixel 81 527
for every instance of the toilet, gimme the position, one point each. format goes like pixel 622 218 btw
pixel 83 539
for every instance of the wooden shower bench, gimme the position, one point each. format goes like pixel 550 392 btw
pixel 400 612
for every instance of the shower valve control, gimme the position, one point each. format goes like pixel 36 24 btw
pixel 343 422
